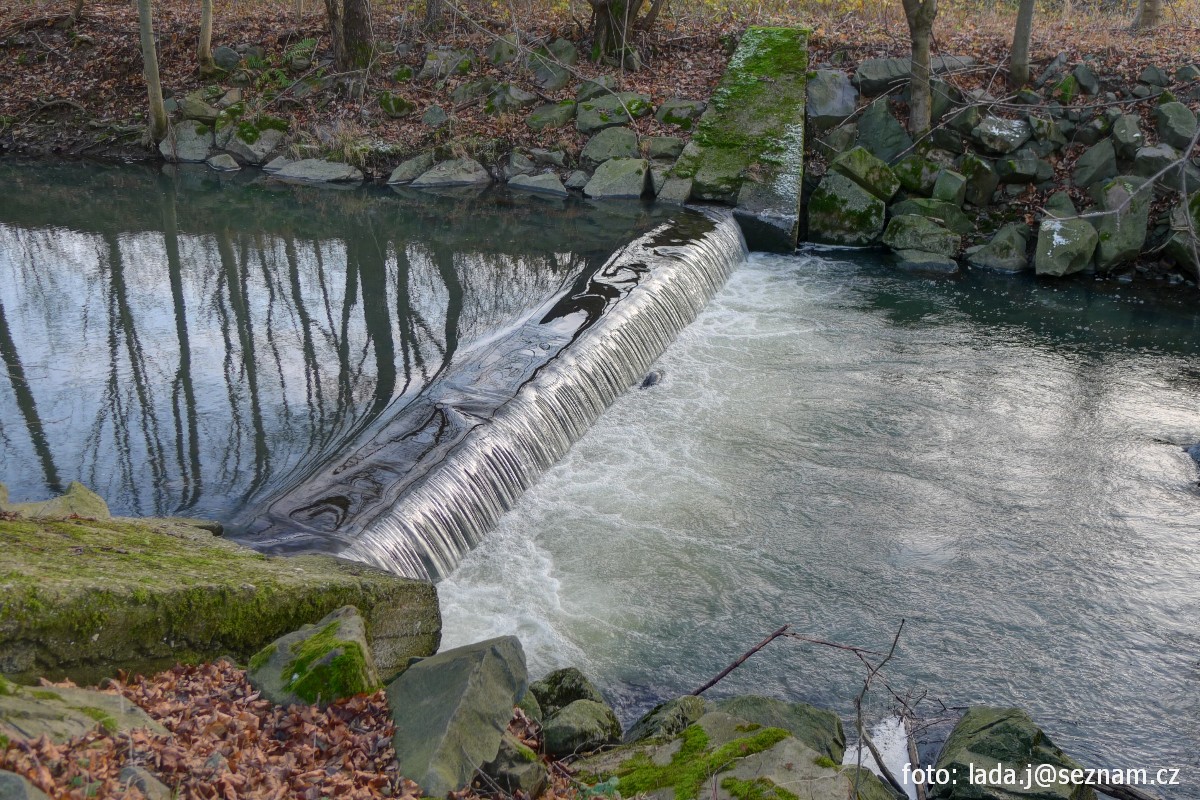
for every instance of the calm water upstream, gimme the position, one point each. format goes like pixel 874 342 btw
pixel 839 447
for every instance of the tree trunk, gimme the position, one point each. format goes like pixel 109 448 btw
pixel 433 14
pixel 613 21
pixel 76 11
pixel 1018 69
pixel 1149 14
pixel 920 14
pixel 204 50
pixel 158 112
pixel 350 33
pixel 299 10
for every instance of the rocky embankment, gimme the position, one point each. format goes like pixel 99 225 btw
pixel 1076 173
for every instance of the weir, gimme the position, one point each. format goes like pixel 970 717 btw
pixel 430 483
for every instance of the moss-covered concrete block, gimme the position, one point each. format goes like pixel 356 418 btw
pixel 753 133
pixel 82 598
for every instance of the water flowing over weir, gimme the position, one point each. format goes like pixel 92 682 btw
pixel 427 487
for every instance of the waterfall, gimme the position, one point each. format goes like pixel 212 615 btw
pixel 431 484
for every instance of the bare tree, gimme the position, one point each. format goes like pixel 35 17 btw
pixel 433 14
pixel 158 111
pixel 920 14
pixel 76 11
pixel 1149 14
pixel 1018 69
pixel 613 22
pixel 204 50
pixel 350 32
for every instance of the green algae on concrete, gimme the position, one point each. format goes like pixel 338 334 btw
pixel 81 598
pixel 748 150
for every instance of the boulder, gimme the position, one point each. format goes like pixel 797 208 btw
pixel 1047 130
pixel 451 711
pixel 1098 163
pixel 1006 252
pixel 680 112
pixel 517 768
pixel 831 98
pixel 1064 246
pixel 1183 245
pixel 253 146
pixel 1188 73
pixel 223 162
pixel 619 177
pixel 1154 76
pixel 916 174
pixel 610 110
pixel 275 164
pixel 950 187
pixel 1060 206
pixel 518 164
pixel 580 727
pixel 818 728
pixel 317 664
pixel 18 787
pixel 1176 124
pixel 548 158
pixel 395 105
pixel 577 179
pixel 842 212
pixel 596 87
pixel 1086 79
pixel 875 76
pixel 542 184
pixel 226 58
pixel 473 90
pixel 609 143
pixel 947 214
pixel 455 172
pixel 1018 168
pixel 434 117
pixel 551 115
pixel 187 143
pixel 913 232
pixel 192 107
pixel 881 134
pixel 675 190
pixel 126 612
pixel 1000 136
pixel 503 50
pixel 562 687
pixel 868 172
pixel 442 63
pixel 1127 136
pixel 836 140
pixel 28 713
pixel 1123 229
pixel 667 719
pixel 413 168
pixel 507 98
pixel 986 737
pixel 664 147
pixel 145 782
pixel 316 170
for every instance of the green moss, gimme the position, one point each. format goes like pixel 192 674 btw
pixel 247 132
pixel 403 74
pixel 262 657
pixel 41 695
pixel 105 719
pixel 825 761
pixel 757 789
pixel 7 688
pixel 3 742
pixel 326 667
pixel 748 727
pixel 526 754
pixel 1066 89
pixel 692 766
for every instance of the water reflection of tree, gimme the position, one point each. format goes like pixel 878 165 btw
pixel 26 404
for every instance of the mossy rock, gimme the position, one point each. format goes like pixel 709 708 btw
pixel 610 110
pixel 916 174
pixel 551 115
pixel 582 726
pixel 842 212
pixel 913 232
pixel 317 664
pixel 27 713
pixel 668 719
pixel 947 214
pixel 562 687
pixel 396 106
pixel 78 501
pixel 84 598
pixel 819 728
pixel 868 172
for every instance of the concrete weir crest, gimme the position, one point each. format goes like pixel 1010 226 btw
pixel 748 151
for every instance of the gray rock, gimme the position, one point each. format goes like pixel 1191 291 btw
pixel 942 98
pixel 675 190
pixel 455 172
pixel 61 713
pixel 547 158
pixel 396 105
pixel 667 719
pixel 818 728
pixel 223 162
pixel 836 140
pixel 611 110
pixel 187 143
pixel 316 170
pixel 434 117
pixel 842 212
pixel 1154 76
pixel 913 232
pixel 518 164
pixel 1007 251
pixel 1098 163
pixel 596 87
pixel 965 120
pixel 451 711
pixel 276 164
pixel 981 179
pixel 580 727
pixel 1018 168
pixel 17 787
pixel 951 187
pixel 549 72
pixel 1187 74
pixel 1064 246
pixel 506 98
pixel 1000 136
pixel 1165 162
pixel 881 134
pixel 413 168
pixel 875 76
pixel 947 214
pixel 226 58
pixel 141 779
pixel 577 179
pixel 1183 246
pixel 317 664
pixel 194 108
pixel 441 64
pixel 258 151
pixel 1123 230
pixel 1047 130
pixel 609 143
pixel 551 115
pixel 617 178
pixel 517 768
pixel 680 112
pixel 472 90
pixel 664 147
pixel 831 98
pixel 988 736
pixel 503 50
pixel 868 172
pixel 1176 124
pixel 1127 136
pixel 1086 79
pixel 922 261
pixel 916 174
pixel 542 184
pixel 1060 206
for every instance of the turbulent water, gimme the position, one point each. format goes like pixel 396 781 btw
pixel 994 461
